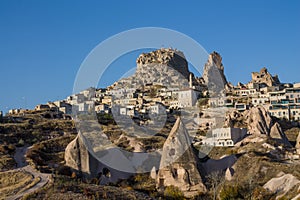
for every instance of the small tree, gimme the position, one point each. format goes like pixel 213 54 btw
pixel 215 180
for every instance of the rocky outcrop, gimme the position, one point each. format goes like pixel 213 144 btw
pixel 298 144
pixel 169 57
pixel 259 121
pixel 282 185
pixel 213 74
pixel 179 164
pixel 264 78
pixel 82 161
pixel 167 67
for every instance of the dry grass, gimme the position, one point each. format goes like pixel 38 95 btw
pixel 32 184
pixel 6 162
pixel 12 182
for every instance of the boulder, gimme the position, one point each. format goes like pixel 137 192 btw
pixel 153 173
pixel 281 185
pixel 229 174
pixel 179 165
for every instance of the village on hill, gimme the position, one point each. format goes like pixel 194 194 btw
pixel 200 132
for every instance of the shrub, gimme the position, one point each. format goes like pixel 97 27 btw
pixel 172 192
pixel 230 193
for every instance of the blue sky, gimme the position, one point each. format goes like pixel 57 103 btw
pixel 43 43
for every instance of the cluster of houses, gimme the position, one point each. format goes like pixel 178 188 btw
pixel 281 101
pixel 138 103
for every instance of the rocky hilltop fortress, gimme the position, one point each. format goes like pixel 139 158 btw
pixel 170 57
pixel 167 67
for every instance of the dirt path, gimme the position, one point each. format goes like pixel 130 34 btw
pixel 23 166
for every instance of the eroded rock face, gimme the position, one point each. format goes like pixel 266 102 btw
pixel 259 121
pixel 264 77
pixel 179 164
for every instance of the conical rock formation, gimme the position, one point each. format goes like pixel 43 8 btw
pixel 78 158
pixel 277 134
pixel 179 165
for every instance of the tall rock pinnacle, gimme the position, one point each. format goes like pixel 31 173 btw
pixel 213 74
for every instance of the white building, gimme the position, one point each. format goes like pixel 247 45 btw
pixel 279 111
pixel 187 97
pixel 260 101
pixel 226 137
pixel 241 106
pixel 129 112
pixel 75 99
pixel 174 104
pixel 157 109
pixel 245 92
pixel 87 106
pixel 102 108
pixel 295 112
pixel 220 102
